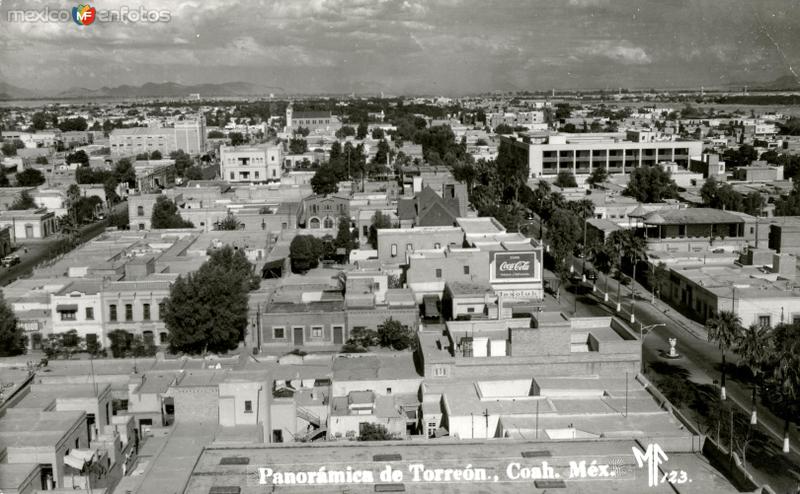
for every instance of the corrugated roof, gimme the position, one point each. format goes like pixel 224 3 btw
pixel 690 216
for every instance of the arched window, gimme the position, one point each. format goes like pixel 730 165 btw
pixel 328 223
pixel 314 223
pixel 139 210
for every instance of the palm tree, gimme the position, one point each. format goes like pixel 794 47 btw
pixel 754 347
pixel 787 373
pixel 724 329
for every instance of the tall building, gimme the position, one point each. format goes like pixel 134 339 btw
pixel 190 135
pixel 548 154
pixel 250 163
pixel 187 135
pixel 316 121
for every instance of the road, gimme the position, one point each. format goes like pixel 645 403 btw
pixel 701 358
pixel 33 252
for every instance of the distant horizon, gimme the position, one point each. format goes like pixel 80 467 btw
pixel 410 47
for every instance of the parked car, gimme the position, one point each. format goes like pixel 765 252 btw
pixel 591 275
pixel 9 261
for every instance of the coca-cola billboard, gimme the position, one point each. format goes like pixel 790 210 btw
pixel 512 265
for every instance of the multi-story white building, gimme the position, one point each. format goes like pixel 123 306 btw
pixel 548 154
pixel 187 135
pixel 190 135
pixel 138 140
pixel 250 163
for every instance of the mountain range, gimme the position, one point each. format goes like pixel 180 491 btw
pixel 175 90
pixel 150 89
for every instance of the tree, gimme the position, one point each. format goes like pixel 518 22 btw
pixel 12 338
pixel 298 146
pixel 504 129
pixel 512 165
pixel 361 132
pixel 753 345
pixel 120 219
pixel 373 432
pixel 382 154
pixel 361 339
pixel 182 161
pixel 24 201
pixel 30 177
pixel 236 264
pixel 598 176
pixel 465 171
pixel 165 215
pixel 156 155
pixel 657 277
pixel 564 230
pixel 724 329
pixel 216 134
pixel 39 121
pixel 3 177
pixel 377 133
pixel 124 172
pixel 303 131
pixel 9 149
pixel 229 222
pixel 325 181
pixel 786 364
pixel 120 342
pixel 344 237
pixel 207 310
pixel 305 252
pixel 391 333
pixel 379 221
pixel 41 160
pixel 72 124
pixel 565 179
pixel 79 156
pixel 345 131
pixel 236 138
pixel 651 184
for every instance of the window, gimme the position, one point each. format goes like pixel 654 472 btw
pixel 409 247
pixel 112 312
pixel 161 309
pixel 146 312
pixel 439 371
pixel 437 245
pixel 438 273
pixel 90 313
pixel 141 226
pixel 470 309
pixel 256 174
pixel 316 331
pixel 278 333
pixel 248 406
pixel 394 250
pixel 128 312
pixel 765 321
pixel 233 176
pixel 139 210
pixel 466 269
pixel 68 315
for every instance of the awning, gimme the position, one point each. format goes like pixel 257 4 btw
pixel 67 308
pixel 430 305
pixel 78 458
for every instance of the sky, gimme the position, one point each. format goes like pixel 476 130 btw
pixel 447 47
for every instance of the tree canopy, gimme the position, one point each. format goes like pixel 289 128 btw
pixel 30 177
pixel 12 338
pixel 165 215
pixel 24 201
pixel 207 310
pixel 651 184
pixel 305 252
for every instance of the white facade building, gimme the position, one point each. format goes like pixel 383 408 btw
pixel 250 163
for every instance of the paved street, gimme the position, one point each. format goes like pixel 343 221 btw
pixel 698 356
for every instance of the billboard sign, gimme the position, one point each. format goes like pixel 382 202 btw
pixel 514 265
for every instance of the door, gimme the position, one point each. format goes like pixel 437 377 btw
pixel 28 231
pixel 298 336
pixel 338 337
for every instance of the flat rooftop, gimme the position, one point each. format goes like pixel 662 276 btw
pixel 370 367
pixel 493 457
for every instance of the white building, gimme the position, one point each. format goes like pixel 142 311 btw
pixel 250 163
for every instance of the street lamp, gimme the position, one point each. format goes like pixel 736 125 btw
pixel 642 333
